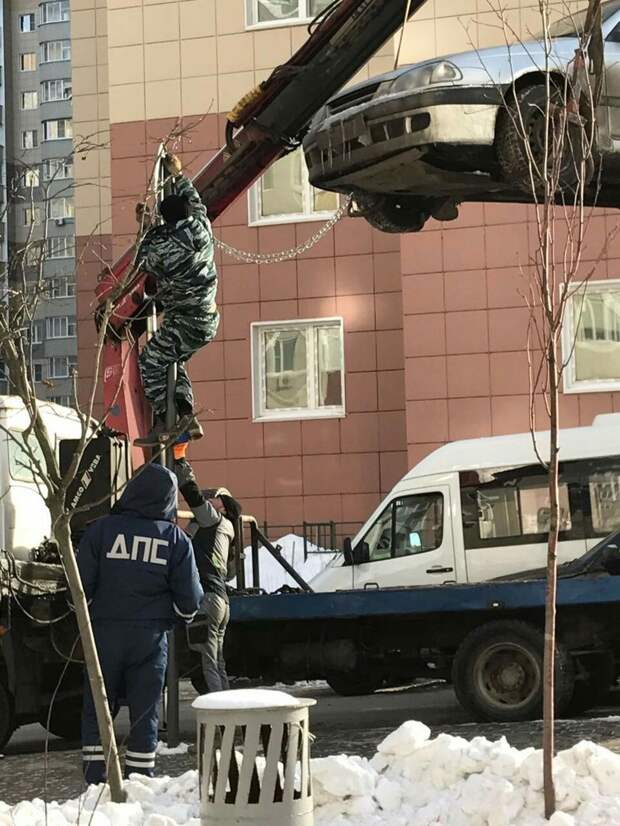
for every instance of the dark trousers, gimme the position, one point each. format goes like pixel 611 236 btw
pixel 176 341
pixel 217 611
pixel 133 661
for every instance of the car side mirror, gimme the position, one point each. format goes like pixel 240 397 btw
pixel 611 560
pixel 347 551
pixel 361 553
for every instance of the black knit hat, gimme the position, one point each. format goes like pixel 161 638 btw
pixel 174 208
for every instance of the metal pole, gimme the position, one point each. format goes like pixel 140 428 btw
pixel 172 675
pixel 255 556
pixel 240 556
pixel 305 530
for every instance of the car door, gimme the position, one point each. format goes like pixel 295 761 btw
pixel 410 543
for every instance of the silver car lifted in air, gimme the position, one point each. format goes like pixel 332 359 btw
pixel 413 143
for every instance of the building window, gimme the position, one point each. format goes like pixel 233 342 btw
pixel 60 208
pixel 271 12
pixel 30 139
pixel 38 371
pixel 61 288
pixel 408 526
pixel 65 401
pixel 29 100
pixel 61 367
pixel 55 130
pixel 28 62
pixel 57 12
pixel 57 169
pixel 55 50
pixel 60 327
pixel 54 90
pixel 30 178
pixel 62 247
pixel 32 215
pixel 591 339
pixel 284 194
pixel 26 22
pixel 298 369
pixel 37 332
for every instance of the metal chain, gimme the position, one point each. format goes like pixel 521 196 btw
pixel 285 255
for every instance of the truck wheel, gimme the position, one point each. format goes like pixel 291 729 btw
pixel 353 684
pixel 498 673
pixel 7 716
pixel 520 140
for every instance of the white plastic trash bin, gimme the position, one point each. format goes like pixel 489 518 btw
pixel 254 759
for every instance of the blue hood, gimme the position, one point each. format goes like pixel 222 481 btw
pixel 152 494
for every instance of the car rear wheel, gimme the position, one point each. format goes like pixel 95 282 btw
pixel 521 142
pixel 498 673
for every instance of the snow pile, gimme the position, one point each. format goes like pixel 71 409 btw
pixel 245 698
pixel 166 751
pixel 273 575
pixel 411 781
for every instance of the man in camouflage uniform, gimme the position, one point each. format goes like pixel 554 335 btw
pixel 180 255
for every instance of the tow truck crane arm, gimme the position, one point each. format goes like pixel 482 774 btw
pixel 267 124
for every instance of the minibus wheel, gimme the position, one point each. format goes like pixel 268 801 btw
pixel 498 673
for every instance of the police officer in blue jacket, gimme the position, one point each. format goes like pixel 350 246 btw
pixel 139 576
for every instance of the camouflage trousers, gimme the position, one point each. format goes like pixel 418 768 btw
pixel 176 341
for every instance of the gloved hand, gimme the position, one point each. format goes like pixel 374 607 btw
pixel 143 213
pixel 173 164
pixel 184 472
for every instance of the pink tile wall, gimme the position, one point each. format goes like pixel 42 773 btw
pixel 465 325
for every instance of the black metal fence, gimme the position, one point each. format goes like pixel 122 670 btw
pixel 317 536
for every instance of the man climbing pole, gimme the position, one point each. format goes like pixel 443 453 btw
pixel 179 254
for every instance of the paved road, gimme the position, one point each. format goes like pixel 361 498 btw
pixel 351 725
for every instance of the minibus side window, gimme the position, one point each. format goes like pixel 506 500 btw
pixel 409 525
pixel 21 466
pixel 603 485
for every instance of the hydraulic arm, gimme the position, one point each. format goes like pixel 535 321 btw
pixel 268 123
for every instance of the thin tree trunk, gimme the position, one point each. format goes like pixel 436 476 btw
pixel 62 535
pixel 550 598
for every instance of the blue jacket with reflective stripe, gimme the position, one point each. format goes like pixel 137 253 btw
pixel 136 565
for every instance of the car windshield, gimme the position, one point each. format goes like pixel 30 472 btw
pixel 572 26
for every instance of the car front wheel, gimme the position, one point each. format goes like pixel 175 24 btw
pixel 398 214
pixel 535 145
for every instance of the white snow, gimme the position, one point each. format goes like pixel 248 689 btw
pixel 163 749
pixel 412 780
pixel 273 575
pixel 245 698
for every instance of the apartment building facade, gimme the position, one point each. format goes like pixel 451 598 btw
pixel 39 169
pixel 334 372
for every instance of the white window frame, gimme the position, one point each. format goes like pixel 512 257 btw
pixel 31 178
pixel 21 61
pixel 61 287
pixel 67 169
pixel 35 138
pixel 66 214
pixel 62 84
pixel 252 21
pixel 23 98
pixel 307 216
pixel 63 401
pixel 259 414
pixel 32 216
pixel 70 361
pixel 42 365
pixel 29 15
pixel 38 331
pixel 53 127
pixel 60 246
pixel 65 51
pixel 571 384
pixel 60 326
pixel 63 7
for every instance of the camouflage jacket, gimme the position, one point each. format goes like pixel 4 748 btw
pixel 181 257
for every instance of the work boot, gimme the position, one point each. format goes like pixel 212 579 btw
pixel 194 429
pixel 156 435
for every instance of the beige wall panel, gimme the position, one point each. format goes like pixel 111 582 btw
pixel 161 23
pixel 84 52
pixel 123 4
pixel 103 107
pixel 235 53
pixel 94 220
pixel 162 61
pixel 198 18
pixel 127 103
pixel 231 88
pixel 199 95
pixel 83 24
pixel 272 47
pixel 125 27
pixel 86 106
pixel 102 21
pixel 81 5
pixel 198 57
pixel 230 16
pixel 126 65
pixel 163 99
pixel 84 80
pixel 419 42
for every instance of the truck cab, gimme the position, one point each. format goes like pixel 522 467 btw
pixel 478 509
